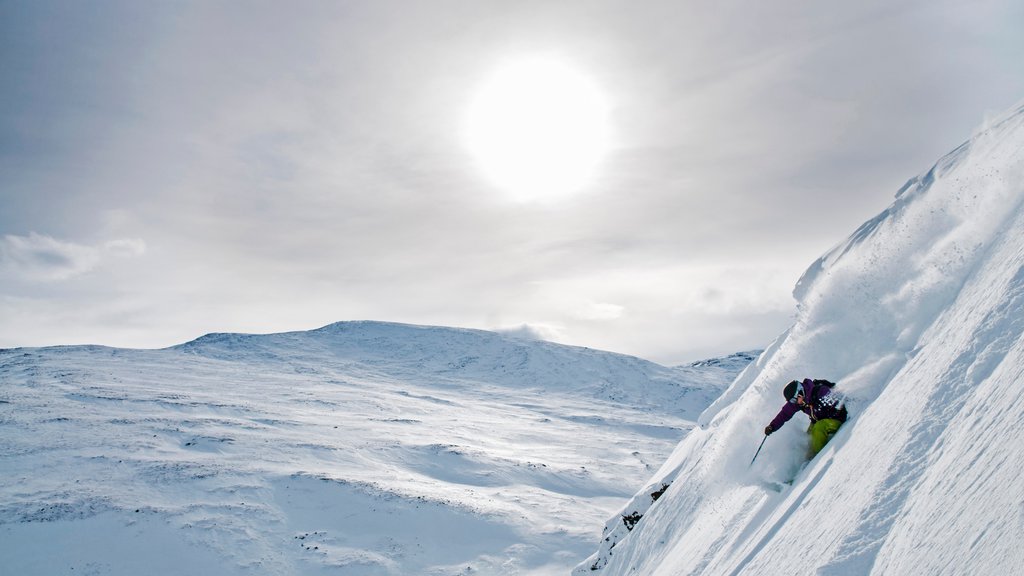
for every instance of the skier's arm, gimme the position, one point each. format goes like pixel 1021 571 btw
pixel 787 412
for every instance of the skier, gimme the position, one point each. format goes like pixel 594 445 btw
pixel 825 407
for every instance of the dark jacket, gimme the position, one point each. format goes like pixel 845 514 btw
pixel 820 402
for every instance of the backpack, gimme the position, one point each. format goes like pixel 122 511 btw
pixel 837 410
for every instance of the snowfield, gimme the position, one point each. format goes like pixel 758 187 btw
pixel 919 316
pixel 361 448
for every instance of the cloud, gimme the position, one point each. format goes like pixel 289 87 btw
pixel 314 169
pixel 589 310
pixel 41 258
pixel 545 332
pixel 126 247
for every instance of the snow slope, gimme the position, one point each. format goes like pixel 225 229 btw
pixel 919 315
pixel 360 448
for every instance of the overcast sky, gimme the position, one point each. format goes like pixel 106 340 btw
pixel 169 169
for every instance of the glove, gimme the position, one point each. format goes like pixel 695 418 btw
pixel 768 430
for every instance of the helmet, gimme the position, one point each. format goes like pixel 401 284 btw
pixel 792 389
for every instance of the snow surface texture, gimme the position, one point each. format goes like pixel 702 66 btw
pixel 359 448
pixel 919 316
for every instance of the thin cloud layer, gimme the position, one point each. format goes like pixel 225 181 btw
pixel 292 166
pixel 41 258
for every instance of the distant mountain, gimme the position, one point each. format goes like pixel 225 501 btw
pixel 360 448
pixel 919 316
pixel 403 350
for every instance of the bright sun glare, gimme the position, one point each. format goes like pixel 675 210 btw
pixel 538 128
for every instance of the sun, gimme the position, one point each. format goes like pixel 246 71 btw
pixel 538 128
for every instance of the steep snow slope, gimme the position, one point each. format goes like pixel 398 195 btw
pixel 919 315
pixel 360 448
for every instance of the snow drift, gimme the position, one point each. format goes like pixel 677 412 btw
pixel 919 316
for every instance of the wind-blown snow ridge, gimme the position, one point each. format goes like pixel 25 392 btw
pixel 920 317
pixel 361 448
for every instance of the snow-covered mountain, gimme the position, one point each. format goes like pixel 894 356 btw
pixel 919 316
pixel 360 448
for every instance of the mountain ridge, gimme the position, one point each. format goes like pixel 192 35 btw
pixel 917 315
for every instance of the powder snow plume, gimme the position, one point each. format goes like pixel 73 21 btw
pixel 919 316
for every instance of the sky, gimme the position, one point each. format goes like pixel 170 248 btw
pixel 169 169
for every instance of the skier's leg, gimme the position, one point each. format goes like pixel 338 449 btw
pixel 821 432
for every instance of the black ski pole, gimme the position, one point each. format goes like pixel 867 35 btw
pixel 758 451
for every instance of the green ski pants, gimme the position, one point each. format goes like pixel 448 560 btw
pixel 821 432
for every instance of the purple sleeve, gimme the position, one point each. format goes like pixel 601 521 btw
pixel 787 412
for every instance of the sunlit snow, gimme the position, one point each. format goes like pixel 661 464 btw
pixel 919 316
pixel 359 448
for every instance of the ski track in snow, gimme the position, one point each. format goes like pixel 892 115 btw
pixel 359 448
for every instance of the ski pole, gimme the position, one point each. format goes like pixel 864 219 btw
pixel 758 451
